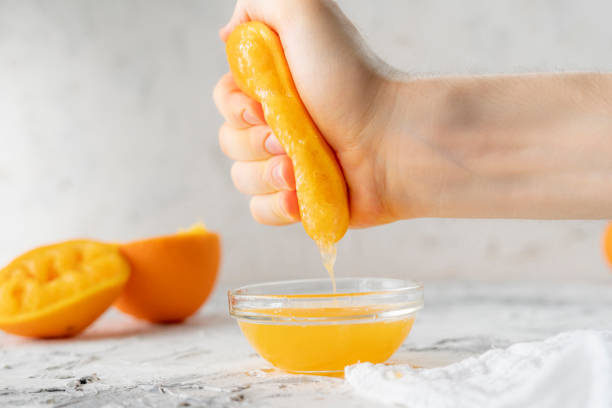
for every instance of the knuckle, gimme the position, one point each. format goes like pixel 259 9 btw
pixel 268 177
pixel 255 210
pixel 284 172
pixel 275 161
pixel 237 112
pixel 280 209
pixel 235 174
pixel 222 90
pixel 255 140
pixel 224 139
pixel 265 210
pixel 285 161
pixel 218 92
pixel 222 134
pixel 271 173
pixel 289 205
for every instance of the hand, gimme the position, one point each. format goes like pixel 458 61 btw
pixel 343 88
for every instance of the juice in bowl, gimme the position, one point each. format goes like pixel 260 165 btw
pixel 300 327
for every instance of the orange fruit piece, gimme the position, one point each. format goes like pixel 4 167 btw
pixel 607 243
pixel 171 276
pixel 258 65
pixel 58 290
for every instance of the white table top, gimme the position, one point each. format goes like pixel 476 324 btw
pixel 207 362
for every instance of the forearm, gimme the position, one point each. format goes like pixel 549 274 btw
pixel 532 146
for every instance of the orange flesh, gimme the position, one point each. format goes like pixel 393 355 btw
pixel 326 348
pixel 58 290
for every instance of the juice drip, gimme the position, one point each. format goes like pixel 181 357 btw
pixel 328 256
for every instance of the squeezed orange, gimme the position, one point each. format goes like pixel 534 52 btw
pixel 258 65
pixel 325 347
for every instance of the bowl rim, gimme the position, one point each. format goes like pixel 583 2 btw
pixel 377 304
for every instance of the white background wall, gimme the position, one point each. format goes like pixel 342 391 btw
pixel 108 130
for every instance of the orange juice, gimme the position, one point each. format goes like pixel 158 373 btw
pixel 328 256
pixel 326 347
pixel 300 327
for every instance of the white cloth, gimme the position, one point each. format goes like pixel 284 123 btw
pixel 572 369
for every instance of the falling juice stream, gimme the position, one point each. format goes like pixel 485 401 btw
pixel 328 256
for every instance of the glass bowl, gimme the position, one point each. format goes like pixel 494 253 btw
pixel 300 327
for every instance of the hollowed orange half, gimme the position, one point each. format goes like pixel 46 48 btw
pixel 58 290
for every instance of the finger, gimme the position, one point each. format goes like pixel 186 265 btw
pixel 237 108
pixel 272 13
pixel 254 143
pixel 265 176
pixel 276 209
pixel 238 17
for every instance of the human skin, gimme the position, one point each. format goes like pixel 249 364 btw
pixel 522 146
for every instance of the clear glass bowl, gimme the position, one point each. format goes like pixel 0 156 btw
pixel 300 327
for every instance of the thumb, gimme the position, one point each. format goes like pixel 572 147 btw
pixel 238 17
pixel 269 12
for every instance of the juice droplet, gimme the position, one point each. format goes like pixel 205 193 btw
pixel 328 256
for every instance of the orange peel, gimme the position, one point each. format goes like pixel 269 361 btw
pixel 172 275
pixel 258 65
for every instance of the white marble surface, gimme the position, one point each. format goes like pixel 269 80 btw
pixel 108 130
pixel 120 362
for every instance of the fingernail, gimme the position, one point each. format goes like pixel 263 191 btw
pixel 272 145
pixel 277 175
pixel 250 118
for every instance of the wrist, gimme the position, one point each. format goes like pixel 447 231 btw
pixel 496 147
pixel 425 167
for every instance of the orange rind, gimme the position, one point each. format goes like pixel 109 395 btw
pixel 172 275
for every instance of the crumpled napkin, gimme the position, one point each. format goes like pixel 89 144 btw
pixel 572 369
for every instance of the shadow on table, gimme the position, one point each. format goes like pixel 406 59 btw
pixel 114 325
pixel 119 326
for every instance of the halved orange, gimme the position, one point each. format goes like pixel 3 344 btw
pixel 171 276
pixel 58 290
